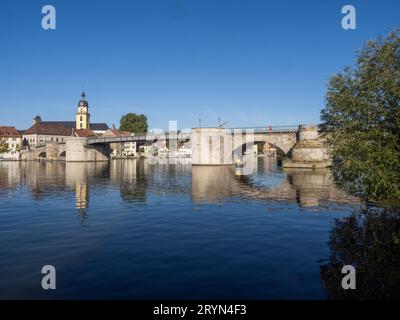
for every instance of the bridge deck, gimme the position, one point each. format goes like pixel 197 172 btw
pixel 272 129
pixel 136 138
pixel 187 136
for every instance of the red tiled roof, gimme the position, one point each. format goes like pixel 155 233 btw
pixel 84 132
pixel 113 132
pixel 72 125
pixel 10 132
pixel 49 128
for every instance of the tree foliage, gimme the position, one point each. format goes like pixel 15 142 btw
pixel 135 123
pixel 361 122
pixel 3 146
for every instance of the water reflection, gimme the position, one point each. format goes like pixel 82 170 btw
pixel 132 179
pixel 369 240
pixel 42 179
pixel 269 182
pixel 208 184
pixel 212 184
pixel 160 203
pixel 77 176
pixel 314 187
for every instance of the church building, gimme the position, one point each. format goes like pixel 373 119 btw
pixel 57 131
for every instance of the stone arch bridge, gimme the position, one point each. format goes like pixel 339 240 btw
pixel 281 137
pixel 216 146
pixel 210 146
pixel 49 151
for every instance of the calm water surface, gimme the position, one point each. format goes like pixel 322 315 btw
pixel 131 229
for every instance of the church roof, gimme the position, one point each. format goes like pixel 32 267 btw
pixel 49 128
pixel 67 124
pixel 61 127
pixel 99 126
pixel 83 101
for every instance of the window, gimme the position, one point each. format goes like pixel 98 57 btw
pixel 81 118
pixel 81 125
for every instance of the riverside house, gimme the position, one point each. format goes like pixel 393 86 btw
pixel 11 137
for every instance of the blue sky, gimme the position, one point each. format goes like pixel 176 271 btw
pixel 253 63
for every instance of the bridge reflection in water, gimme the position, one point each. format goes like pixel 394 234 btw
pixel 268 182
pixel 203 184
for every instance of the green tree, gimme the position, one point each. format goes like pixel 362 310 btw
pixel 361 122
pixel 3 146
pixel 135 123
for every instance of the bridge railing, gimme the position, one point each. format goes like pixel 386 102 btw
pixel 138 137
pixel 186 136
pixel 267 129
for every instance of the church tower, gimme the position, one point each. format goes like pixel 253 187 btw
pixel 83 115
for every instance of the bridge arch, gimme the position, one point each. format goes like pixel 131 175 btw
pixel 42 155
pixel 282 141
pixel 62 155
pixel 241 149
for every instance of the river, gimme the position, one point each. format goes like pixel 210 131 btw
pixel 133 229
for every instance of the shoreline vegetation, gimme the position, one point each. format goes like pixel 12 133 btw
pixel 361 125
pixel 361 122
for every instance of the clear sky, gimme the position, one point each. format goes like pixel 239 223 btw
pixel 253 63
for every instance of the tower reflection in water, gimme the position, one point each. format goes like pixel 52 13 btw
pixel 81 195
pixel 77 177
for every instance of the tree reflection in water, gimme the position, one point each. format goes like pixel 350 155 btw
pixel 370 241
pixel 132 176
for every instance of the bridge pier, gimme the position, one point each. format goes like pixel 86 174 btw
pixel 78 151
pixel 309 150
pixel 52 151
pixel 212 146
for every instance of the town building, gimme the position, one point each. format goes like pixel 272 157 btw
pixel 122 149
pixel 42 132
pixel 47 131
pixel 10 137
